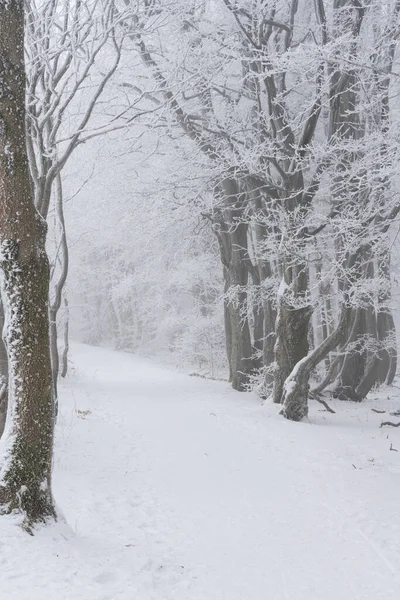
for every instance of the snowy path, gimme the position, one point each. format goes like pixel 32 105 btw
pixel 176 488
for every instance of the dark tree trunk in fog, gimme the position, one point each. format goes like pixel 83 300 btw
pixel 386 329
pixel 64 356
pixel 231 231
pixel 296 388
pixel 291 346
pixel 258 319
pixel 294 309
pixel 267 290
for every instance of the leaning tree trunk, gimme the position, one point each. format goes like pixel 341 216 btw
pixel 25 480
pixel 296 388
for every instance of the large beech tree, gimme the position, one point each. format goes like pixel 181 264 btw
pixel 25 482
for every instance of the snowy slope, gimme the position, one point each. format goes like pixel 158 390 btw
pixel 177 488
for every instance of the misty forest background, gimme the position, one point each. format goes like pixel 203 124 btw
pixel 220 180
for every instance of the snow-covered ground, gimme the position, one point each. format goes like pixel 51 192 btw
pixel 178 488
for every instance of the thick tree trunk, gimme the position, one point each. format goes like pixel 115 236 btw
pixel 354 362
pixel 296 388
pixel 294 310
pixel 237 328
pixel 385 324
pixel 293 299
pixel 363 368
pixel 345 124
pixel 25 481
pixel 231 231
pixel 291 343
pixel 387 368
pixel 241 348
pixel 268 309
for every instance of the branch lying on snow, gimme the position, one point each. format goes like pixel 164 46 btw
pixel 328 408
pixel 390 424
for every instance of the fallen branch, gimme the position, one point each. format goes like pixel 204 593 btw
pixel 328 408
pixel 390 424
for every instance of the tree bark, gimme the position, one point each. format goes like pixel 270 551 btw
pixel 291 343
pixel 269 312
pixel 25 482
pixel 231 231
pixel 3 375
pixel 64 357
pixel 293 299
pixel 296 388
pixel 385 324
pixel 55 304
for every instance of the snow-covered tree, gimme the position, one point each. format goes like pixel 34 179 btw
pixel 27 445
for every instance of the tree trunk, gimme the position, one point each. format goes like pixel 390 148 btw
pixel 364 368
pixel 269 340
pixel 64 357
pixel 385 324
pixel 55 359
pixel 296 388
pixel 387 335
pixel 293 298
pixel 258 319
pixel 3 375
pixel 55 304
pixel 25 483
pixel 354 361
pixel 231 231
pixel 291 343
pixel 227 324
pixel 266 292
pixel 238 331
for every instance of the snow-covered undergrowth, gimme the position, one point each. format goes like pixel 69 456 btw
pixel 178 488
